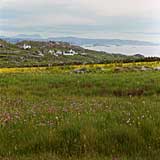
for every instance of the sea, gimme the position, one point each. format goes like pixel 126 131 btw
pixel 146 51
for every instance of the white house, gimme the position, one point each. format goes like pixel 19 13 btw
pixel 70 53
pixel 65 53
pixel 26 46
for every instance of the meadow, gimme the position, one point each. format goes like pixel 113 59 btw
pixel 55 113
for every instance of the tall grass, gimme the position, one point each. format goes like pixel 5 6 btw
pixel 110 115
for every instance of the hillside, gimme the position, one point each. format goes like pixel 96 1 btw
pixel 42 53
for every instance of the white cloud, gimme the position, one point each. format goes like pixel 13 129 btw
pixel 126 8
pixel 129 15
pixel 99 7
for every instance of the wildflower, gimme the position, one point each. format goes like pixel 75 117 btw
pixel 143 102
pixel 128 121
pixel 57 118
pixel 142 116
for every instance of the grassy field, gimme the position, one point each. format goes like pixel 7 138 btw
pixel 53 113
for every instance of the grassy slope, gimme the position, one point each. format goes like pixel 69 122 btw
pixel 103 114
pixel 12 56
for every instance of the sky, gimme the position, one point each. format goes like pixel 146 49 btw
pixel 125 19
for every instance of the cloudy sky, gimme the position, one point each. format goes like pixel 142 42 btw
pixel 85 18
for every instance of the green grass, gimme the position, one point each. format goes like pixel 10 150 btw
pixel 87 116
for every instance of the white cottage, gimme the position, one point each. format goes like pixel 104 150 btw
pixel 65 53
pixel 70 53
pixel 26 46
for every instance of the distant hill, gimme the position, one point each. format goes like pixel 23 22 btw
pixel 102 42
pixel 29 37
pixel 21 37
pixel 79 41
